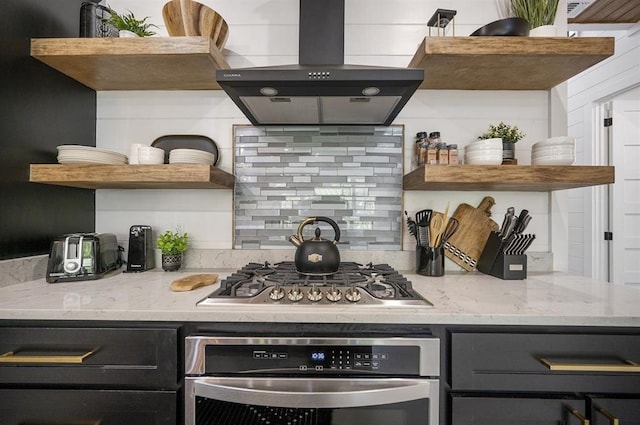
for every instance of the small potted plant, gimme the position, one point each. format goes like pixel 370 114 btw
pixel 172 245
pixel 541 15
pixel 510 135
pixel 128 25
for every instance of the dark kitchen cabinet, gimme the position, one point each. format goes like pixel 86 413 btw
pixel 58 373
pixel 540 376
pixel 516 411
pixel 618 411
pixel 87 407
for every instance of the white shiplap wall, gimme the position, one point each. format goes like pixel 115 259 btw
pixel 265 32
pixel 586 91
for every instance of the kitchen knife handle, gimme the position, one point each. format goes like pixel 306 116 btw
pixel 612 419
pixel 580 416
pixel 627 367
pixel 13 357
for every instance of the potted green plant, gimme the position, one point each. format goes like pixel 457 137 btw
pixel 510 135
pixel 128 25
pixel 172 245
pixel 541 15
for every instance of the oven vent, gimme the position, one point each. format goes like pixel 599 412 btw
pixel 574 8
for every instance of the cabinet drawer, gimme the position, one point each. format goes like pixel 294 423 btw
pixel 122 357
pixel 606 410
pixel 516 411
pixel 88 407
pixel 545 362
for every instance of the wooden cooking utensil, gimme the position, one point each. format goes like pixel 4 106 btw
pixel 190 18
pixel 475 225
pixel 193 281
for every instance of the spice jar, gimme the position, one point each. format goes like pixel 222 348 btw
pixel 443 154
pixel 432 149
pixel 453 154
pixel 421 148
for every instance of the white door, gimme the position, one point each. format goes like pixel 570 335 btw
pixel 625 197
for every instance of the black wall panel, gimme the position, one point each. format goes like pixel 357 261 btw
pixel 40 109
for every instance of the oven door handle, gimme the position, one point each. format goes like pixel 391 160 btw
pixel 317 392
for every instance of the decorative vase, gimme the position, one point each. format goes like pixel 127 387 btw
pixel 508 151
pixel 544 31
pixel 127 33
pixel 171 262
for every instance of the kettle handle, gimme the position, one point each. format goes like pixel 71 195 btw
pixel 310 220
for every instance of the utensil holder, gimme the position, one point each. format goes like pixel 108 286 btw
pixel 493 261
pixel 430 261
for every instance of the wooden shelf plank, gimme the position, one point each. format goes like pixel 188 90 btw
pixel 162 176
pixel 519 178
pixel 133 63
pixel 506 63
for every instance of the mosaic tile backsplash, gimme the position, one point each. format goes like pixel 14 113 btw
pixel 352 175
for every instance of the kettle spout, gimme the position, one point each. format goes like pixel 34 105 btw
pixel 294 240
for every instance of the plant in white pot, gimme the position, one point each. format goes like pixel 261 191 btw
pixel 541 15
pixel 510 135
pixel 128 25
pixel 172 245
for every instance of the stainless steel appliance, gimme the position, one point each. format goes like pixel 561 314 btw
pixel 353 284
pixel 321 89
pixel 333 380
pixel 82 256
pixel 141 255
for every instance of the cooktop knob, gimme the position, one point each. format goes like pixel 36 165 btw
pixel 277 293
pixel 295 294
pixel 314 294
pixel 353 294
pixel 334 294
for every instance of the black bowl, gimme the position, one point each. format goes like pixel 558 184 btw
pixel 504 27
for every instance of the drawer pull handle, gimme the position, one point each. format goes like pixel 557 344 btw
pixel 627 366
pixel 13 357
pixel 612 419
pixel 581 418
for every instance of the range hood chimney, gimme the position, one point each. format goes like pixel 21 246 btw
pixel 321 89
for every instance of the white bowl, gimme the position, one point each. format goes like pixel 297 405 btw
pixel 144 159
pixel 556 141
pixel 484 152
pixel 484 147
pixel 484 161
pixel 554 160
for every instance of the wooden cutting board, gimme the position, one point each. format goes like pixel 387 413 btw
pixel 466 245
pixel 193 281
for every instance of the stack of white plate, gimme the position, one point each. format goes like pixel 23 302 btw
pixel 191 156
pixel 483 152
pixel 554 151
pixel 78 154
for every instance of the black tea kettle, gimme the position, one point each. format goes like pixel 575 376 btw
pixel 316 256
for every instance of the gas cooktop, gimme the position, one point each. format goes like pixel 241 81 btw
pixel 280 283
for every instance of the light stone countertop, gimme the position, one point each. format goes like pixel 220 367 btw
pixel 458 298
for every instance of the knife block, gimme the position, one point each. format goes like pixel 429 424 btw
pixel 495 262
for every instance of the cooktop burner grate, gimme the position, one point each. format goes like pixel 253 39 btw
pixel 280 283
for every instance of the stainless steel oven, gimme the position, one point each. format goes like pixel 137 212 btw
pixel 297 380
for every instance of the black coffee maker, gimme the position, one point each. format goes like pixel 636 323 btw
pixel 141 254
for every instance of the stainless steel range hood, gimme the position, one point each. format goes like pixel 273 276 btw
pixel 321 89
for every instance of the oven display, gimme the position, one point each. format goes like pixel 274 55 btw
pixel 313 359
pixel 317 356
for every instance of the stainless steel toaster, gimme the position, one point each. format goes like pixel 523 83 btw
pixel 82 256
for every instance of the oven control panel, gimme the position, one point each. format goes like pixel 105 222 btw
pixel 314 359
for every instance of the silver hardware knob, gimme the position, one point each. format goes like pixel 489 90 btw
pixel 277 293
pixel 295 294
pixel 314 294
pixel 353 294
pixel 334 294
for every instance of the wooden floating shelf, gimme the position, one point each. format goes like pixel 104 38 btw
pixel 506 63
pixel 527 178
pixel 134 63
pixel 162 176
